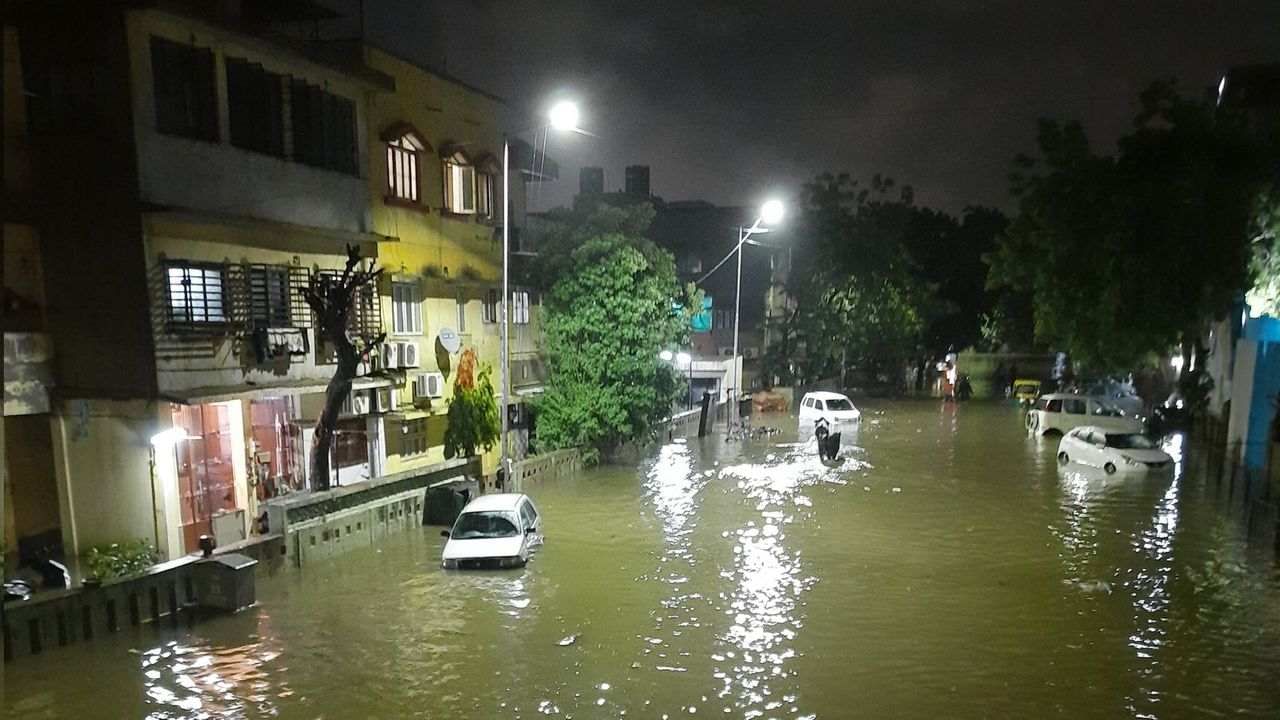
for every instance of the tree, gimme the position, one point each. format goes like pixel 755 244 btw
pixel 1264 265
pixel 332 298
pixel 614 304
pixel 473 411
pixel 1128 254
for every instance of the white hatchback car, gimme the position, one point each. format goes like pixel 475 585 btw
pixel 493 531
pixel 832 407
pixel 1111 451
pixel 1062 412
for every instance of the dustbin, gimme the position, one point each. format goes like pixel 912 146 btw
pixel 444 504
pixel 226 582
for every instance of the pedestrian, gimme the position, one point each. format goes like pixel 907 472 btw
pixel 949 379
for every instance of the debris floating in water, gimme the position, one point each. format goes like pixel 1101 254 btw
pixel 568 640
pixel 897 489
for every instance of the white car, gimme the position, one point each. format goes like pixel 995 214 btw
pixel 1121 395
pixel 493 531
pixel 1111 451
pixel 832 407
pixel 1062 412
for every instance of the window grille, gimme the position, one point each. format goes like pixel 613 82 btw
pixel 520 307
pixel 195 295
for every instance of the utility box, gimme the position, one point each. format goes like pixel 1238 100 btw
pixel 226 582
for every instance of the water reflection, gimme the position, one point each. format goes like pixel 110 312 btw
pixel 201 681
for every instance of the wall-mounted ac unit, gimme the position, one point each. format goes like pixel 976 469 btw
pixel 428 385
pixel 357 403
pixel 408 354
pixel 390 355
pixel 384 400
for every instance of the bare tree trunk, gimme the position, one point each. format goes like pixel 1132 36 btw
pixel 334 396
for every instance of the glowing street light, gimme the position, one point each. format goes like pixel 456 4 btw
pixel 771 213
pixel 564 116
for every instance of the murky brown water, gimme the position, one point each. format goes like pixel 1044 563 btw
pixel 947 570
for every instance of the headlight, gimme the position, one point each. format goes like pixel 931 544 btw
pixel 449 564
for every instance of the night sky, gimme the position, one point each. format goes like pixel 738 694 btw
pixel 728 101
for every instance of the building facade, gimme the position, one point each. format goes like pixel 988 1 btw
pixel 231 163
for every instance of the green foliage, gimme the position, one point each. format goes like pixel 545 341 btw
pixel 1125 255
pixel 473 412
pixel 113 560
pixel 1264 264
pixel 875 280
pixel 608 314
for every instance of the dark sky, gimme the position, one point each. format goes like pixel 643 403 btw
pixel 728 101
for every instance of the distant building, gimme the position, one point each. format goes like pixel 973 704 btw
pixel 637 181
pixel 591 181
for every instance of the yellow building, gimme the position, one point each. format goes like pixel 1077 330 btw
pixel 435 184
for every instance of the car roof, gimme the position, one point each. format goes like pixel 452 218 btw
pixel 498 502
pixel 1066 396
pixel 825 395
pixel 1100 430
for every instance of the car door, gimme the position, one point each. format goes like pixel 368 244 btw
pixel 1092 450
pixel 806 405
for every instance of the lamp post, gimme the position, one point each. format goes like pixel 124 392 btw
pixel 770 214
pixel 563 116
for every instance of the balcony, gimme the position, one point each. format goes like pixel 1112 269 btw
pixel 28 373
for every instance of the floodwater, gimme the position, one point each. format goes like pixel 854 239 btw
pixel 946 569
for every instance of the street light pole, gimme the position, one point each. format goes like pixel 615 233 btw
pixel 563 116
pixel 737 304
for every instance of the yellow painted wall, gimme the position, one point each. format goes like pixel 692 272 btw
pixel 101 456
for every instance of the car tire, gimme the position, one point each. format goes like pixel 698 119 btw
pixel 1063 458
pixel 1110 468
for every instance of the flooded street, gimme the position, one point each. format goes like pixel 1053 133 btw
pixel 947 568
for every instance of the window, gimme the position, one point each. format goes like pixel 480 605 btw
pixel 462 312
pixel 269 304
pixel 196 294
pixel 406 309
pixel 1074 406
pixel 255 105
pixel 403 154
pixel 1052 406
pixel 414 437
pixel 459 185
pixel 484 194
pixel 520 307
pixel 491 306
pixel 186 102
pixel 324 127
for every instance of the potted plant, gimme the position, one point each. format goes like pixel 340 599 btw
pixel 116 560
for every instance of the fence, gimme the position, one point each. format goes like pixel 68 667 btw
pixel 543 467
pixel 57 619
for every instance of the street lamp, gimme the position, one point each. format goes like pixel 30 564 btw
pixel 562 116
pixel 771 213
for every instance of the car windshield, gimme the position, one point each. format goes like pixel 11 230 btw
pixel 1129 442
pixel 839 404
pixel 478 525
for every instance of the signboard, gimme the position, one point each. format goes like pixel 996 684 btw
pixel 450 341
pixel 701 320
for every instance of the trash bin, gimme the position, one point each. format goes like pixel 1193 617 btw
pixel 444 504
pixel 226 582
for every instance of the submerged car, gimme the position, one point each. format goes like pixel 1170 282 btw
pixel 1111 451
pixel 493 531
pixel 1062 412
pixel 1119 394
pixel 832 407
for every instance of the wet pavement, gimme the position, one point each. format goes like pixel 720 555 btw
pixel 945 568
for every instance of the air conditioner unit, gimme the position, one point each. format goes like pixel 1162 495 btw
pixel 390 355
pixel 428 385
pixel 357 403
pixel 408 354
pixel 384 400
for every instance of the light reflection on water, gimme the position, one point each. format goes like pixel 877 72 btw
pixel 944 567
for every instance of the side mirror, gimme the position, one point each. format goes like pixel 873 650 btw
pixel 444 533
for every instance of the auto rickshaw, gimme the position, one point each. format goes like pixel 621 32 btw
pixel 1026 391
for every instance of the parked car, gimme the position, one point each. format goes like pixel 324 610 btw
pixel 1111 451
pixel 493 531
pixel 1062 412
pixel 1121 395
pixel 1026 391
pixel 832 407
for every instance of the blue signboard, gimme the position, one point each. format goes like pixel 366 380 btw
pixel 701 321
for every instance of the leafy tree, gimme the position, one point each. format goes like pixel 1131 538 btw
pixel 608 314
pixel 1264 296
pixel 1124 255
pixel 473 411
